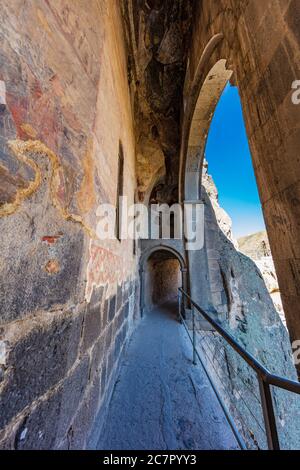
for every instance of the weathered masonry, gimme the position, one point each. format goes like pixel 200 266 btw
pixel 111 97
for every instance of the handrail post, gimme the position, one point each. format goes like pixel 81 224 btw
pixel 194 338
pixel 179 306
pixel 269 415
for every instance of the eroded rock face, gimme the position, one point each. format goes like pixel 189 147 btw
pixel 158 32
pixel 256 245
pixel 67 300
pixel 246 310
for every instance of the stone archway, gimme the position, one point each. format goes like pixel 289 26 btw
pixel 272 129
pixel 205 91
pixel 265 66
pixel 143 261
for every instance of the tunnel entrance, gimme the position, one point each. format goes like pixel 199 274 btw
pixel 162 279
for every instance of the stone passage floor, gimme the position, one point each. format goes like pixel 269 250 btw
pixel 161 401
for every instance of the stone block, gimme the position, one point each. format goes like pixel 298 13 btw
pixel 38 430
pixel 125 291
pixel 37 362
pixel 48 423
pixel 281 75
pixel 217 298
pixel 72 392
pixel 124 330
pixel 112 308
pixel 213 254
pixel 42 281
pixel 97 295
pixel 110 363
pixel 118 343
pixel 92 325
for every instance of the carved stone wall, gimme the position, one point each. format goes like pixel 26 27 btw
pixel 163 277
pixel 77 79
pixel 67 299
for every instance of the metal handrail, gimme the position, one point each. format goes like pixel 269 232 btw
pixel 265 378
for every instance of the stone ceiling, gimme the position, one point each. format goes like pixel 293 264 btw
pixel 157 37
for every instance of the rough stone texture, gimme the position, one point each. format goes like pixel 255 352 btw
pixel 163 278
pixel 257 247
pixel 29 373
pixel 147 409
pixel 267 269
pixel 78 83
pixel 48 423
pixel 50 400
pixel 223 219
pixel 85 416
pixel 26 253
pixel 245 308
pixel 158 35
pixel 64 294
pixel 260 43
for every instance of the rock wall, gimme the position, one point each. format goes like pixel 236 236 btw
pixel 259 41
pixel 257 247
pixel 158 37
pixel 245 309
pixel 67 300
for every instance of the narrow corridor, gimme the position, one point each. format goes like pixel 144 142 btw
pixel 161 401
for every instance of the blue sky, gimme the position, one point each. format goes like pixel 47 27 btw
pixel 229 162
